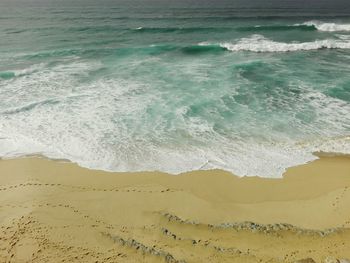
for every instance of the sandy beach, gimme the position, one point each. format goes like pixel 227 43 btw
pixel 55 211
pixel 187 131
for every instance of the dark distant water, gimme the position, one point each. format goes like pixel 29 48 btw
pixel 252 87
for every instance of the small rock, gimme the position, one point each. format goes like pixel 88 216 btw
pixel 331 260
pixel 343 260
pixel 305 260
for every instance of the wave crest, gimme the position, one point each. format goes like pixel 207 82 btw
pixel 302 27
pixel 258 43
pixel 327 27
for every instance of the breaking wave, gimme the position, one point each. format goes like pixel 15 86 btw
pixel 258 43
pixel 327 27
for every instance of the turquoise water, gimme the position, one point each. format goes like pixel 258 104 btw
pixel 136 86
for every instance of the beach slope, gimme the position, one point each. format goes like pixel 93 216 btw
pixel 55 211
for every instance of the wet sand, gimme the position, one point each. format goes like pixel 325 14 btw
pixel 54 211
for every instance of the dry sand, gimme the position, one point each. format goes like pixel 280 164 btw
pixel 54 211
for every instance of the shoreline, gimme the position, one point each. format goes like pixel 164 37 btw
pixel 54 210
pixel 317 154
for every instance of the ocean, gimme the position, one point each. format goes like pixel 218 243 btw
pixel 250 87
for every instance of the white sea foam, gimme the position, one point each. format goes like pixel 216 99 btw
pixel 328 27
pixel 259 43
pixel 106 124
